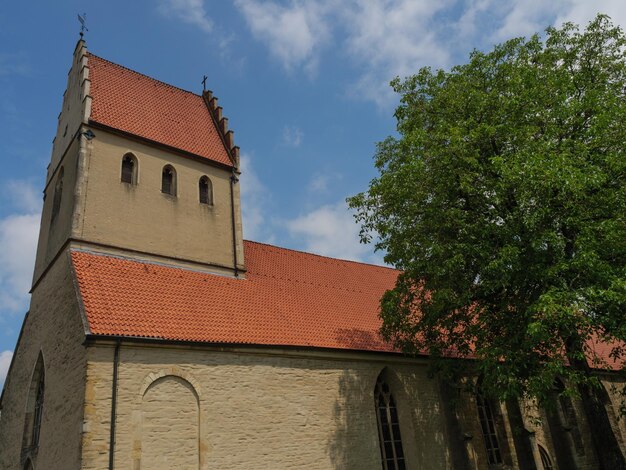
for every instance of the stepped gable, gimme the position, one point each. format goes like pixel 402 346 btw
pixel 288 298
pixel 136 104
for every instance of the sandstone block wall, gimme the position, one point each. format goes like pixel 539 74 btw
pixel 255 410
pixel 140 217
pixel 53 327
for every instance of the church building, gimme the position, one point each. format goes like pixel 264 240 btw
pixel 158 338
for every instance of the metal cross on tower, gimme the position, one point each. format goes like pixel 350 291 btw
pixel 83 21
pixel 204 83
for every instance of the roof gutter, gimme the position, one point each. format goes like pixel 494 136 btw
pixel 93 339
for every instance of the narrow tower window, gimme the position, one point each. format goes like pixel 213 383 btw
pixel 34 409
pixel 205 189
pixel 129 169
pixel 487 423
pixel 168 181
pixel 546 461
pixel 38 411
pixel 58 192
pixel 388 427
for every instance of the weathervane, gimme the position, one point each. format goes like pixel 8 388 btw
pixel 83 20
pixel 204 82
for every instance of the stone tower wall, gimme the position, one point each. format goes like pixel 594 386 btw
pixel 54 328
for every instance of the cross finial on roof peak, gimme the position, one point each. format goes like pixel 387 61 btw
pixel 83 21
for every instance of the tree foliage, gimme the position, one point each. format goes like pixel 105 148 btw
pixel 503 203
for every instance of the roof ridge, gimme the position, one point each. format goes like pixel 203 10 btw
pixel 322 256
pixel 91 54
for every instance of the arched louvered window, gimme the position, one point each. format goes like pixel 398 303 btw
pixel 34 408
pixel 388 427
pixel 546 461
pixel 205 191
pixel 168 180
pixel 58 193
pixel 488 426
pixel 129 169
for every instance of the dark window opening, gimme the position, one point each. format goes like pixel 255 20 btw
pixel 487 423
pixel 205 191
pixel 168 181
pixel 38 413
pixel 546 462
pixel 34 411
pixel 58 194
pixel 128 169
pixel 388 428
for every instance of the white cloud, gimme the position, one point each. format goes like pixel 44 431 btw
pixel 388 38
pixel 5 362
pixel 22 196
pixel 189 11
pixel 320 182
pixel 292 136
pixel 521 18
pixel 330 230
pixel 583 11
pixel 18 239
pixel 294 33
pixel 383 39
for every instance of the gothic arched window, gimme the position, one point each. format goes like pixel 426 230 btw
pixel 546 461
pixel 488 426
pixel 388 427
pixel 34 408
pixel 205 191
pixel 168 180
pixel 58 192
pixel 129 169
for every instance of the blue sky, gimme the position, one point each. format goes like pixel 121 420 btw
pixel 303 83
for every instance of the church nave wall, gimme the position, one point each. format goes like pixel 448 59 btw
pixel 260 410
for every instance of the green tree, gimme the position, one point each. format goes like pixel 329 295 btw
pixel 503 203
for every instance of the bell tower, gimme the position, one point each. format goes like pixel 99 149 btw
pixel 141 169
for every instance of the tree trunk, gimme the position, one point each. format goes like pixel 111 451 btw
pixel 607 448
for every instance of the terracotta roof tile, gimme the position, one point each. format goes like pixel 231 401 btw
pixel 289 298
pixel 131 102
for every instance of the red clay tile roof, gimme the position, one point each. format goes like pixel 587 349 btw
pixel 131 102
pixel 288 298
